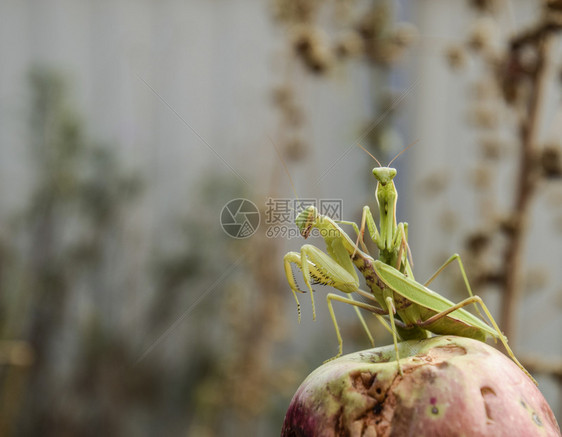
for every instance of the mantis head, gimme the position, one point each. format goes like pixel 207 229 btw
pixel 306 219
pixel 384 174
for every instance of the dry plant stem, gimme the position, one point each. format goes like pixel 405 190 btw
pixel 527 180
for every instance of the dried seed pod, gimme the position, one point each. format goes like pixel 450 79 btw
pixel 528 59
pixel 456 57
pixel 492 148
pixel 511 75
pixel 349 45
pixel 295 11
pixel 550 161
pixel 478 241
pixel 509 225
pixel 321 60
pixel 481 178
pixel 483 34
pixel 489 277
pixel 405 34
pixel 305 38
pixel 296 149
pixel 385 52
pixel 555 5
pixel 484 89
pixel 372 24
pixel 484 116
pixel 387 49
pixel 310 45
pixel 484 5
pixel 282 95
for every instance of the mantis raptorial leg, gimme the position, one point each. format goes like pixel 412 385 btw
pixel 335 275
pixel 400 238
pixel 321 267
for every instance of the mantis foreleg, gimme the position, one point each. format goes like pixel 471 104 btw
pixel 320 267
pixel 398 240
pixel 401 241
pixel 293 257
pixel 367 218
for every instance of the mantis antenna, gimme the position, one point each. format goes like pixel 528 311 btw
pixel 402 151
pixel 392 160
pixel 370 154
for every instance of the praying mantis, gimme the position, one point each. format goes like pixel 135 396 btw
pixel 414 310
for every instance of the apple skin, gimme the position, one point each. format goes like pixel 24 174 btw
pixel 451 386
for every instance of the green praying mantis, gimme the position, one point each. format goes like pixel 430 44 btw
pixel 414 310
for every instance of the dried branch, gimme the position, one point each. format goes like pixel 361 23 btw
pixel 527 177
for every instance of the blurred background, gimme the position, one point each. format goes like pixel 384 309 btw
pixel 126 308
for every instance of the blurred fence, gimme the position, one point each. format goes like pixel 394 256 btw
pixel 126 126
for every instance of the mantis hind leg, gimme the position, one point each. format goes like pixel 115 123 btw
pixel 456 257
pixel 477 300
pixel 378 312
pixel 391 312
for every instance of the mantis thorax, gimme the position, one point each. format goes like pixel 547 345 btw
pixel 386 198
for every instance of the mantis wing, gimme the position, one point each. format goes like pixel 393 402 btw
pixel 424 297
